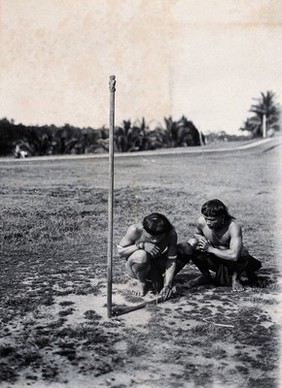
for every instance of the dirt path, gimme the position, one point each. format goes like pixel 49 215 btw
pixel 211 148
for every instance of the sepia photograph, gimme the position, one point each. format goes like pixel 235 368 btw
pixel 140 194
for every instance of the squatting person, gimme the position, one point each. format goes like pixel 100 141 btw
pixel 153 255
pixel 218 246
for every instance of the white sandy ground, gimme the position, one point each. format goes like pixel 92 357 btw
pixel 138 319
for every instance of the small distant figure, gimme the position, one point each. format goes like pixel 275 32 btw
pixel 218 246
pixel 20 153
pixel 152 254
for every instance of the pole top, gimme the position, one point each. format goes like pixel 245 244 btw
pixel 112 83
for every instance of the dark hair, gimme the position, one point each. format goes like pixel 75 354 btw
pixel 156 223
pixel 215 208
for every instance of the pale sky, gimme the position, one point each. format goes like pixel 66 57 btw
pixel 205 59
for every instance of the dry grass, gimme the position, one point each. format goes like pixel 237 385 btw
pixel 53 275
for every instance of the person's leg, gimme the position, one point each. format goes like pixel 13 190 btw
pixel 227 273
pixel 184 255
pixel 248 264
pixel 252 266
pixel 138 267
pixel 157 271
pixel 236 284
pixel 204 264
pixel 234 270
pixel 159 264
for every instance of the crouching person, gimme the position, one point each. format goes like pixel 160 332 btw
pixel 218 246
pixel 152 254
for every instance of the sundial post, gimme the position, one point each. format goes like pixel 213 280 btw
pixel 112 86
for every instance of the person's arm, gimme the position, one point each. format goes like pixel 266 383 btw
pixel 197 235
pixel 170 265
pixel 127 244
pixel 199 228
pixel 169 272
pixel 231 253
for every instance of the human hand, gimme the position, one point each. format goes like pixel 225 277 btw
pixel 166 292
pixel 151 248
pixel 193 242
pixel 203 244
pixel 196 239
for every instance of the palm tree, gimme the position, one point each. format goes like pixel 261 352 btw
pixel 139 135
pixel 7 137
pixel 170 132
pixel 121 136
pixel 181 133
pixel 267 106
pixel 131 137
pixel 188 135
pixel 155 139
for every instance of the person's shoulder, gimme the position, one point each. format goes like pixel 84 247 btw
pixel 171 237
pixel 234 227
pixel 172 232
pixel 135 229
pixel 200 222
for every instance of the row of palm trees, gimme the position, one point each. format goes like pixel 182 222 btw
pixel 138 136
pixel 128 137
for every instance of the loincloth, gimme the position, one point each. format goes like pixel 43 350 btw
pixel 224 269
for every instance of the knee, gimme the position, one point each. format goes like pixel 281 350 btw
pixel 193 242
pixel 185 249
pixel 139 257
pixel 184 254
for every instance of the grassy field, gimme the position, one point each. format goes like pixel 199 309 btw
pixel 54 330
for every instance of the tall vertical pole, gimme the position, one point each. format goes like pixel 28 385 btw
pixel 201 138
pixel 112 85
pixel 264 126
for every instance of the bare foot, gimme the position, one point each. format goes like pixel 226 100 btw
pixel 237 286
pixel 137 293
pixel 142 289
pixel 201 280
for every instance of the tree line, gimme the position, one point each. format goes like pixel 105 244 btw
pixel 128 137
pixel 19 139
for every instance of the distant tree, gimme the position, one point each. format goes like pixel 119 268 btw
pixel 222 137
pixel 65 139
pixel 155 139
pixel 188 133
pixel 170 132
pixel 89 141
pixel 128 137
pixel 140 136
pixel 180 133
pixel 37 140
pixel 131 137
pixel 6 137
pixel 265 105
pixel 121 136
